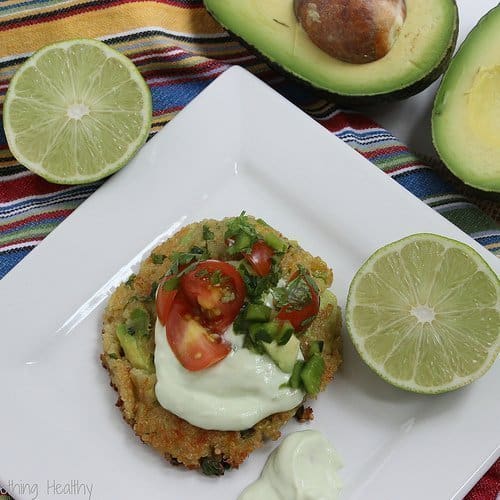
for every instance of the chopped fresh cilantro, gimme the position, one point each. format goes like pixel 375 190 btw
pixel 297 293
pixel 180 259
pixel 216 277
pixel 241 233
pixel 157 258
pixel 207 233
pixel 257 285
pixel 170 284
pixel 130 281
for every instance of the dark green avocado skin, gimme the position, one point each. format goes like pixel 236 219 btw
pixel 358 100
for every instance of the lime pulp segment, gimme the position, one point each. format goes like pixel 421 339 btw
pixel 424 313
pixel 76 111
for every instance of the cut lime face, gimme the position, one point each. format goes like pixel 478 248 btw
pixel 76 111
pixel 424 313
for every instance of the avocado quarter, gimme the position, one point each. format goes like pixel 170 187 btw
pixel 420 54
pixel 466 112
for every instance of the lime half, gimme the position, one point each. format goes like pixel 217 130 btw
pixel 76 111
pixel 424 313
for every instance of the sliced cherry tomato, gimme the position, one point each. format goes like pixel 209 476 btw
pixel 260 258
pixel 217 290
pixel 193 345
pixel 166 292
pixel 305 305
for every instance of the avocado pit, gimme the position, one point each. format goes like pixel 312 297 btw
pixel 354 31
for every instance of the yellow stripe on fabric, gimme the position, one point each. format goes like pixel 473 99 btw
pixel 102 22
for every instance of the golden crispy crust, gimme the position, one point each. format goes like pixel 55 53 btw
pixel 176 439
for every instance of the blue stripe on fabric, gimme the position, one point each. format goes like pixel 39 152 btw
pixel 177 94
pixel 41 200
pixel 488 240
pixel 11 258
pixel 423 183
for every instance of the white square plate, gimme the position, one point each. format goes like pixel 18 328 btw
pixel 239 145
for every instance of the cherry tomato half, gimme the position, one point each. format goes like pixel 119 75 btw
pixel 260 258
pixel 193 345
pixel 217 289
pixel 303 310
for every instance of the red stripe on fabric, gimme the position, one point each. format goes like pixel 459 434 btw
pixel 488 488
pixel 29 185
pixel 35 218
pixel 343 120
pixel 385 151
pixel 73 11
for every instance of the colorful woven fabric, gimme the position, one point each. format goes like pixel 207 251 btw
pixel 179 50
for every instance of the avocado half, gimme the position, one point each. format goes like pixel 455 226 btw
pixel 466 113
pixel 420 54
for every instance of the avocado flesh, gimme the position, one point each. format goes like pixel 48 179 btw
pixel 466 114
pixel 418 56
pixel 284 355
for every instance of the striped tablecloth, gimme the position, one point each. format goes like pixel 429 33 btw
pixel 179 50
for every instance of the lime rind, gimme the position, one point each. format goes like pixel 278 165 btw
pixel 42 123
pixel 420 356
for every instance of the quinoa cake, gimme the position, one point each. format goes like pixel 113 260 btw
pixel 131 315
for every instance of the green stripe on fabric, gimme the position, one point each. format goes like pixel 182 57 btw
pixel 469 220
pixel 37 231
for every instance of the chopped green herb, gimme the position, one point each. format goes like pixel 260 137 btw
pixel 257 285
pixel 216 277
pixel 130 280
pixel 211 466
pixel 241 233
pixel 171 284
pixel 280 296
pixel 180 259
pixel 113 356
pixel 240 324
pixel 297 293
pixel 157 258
pixel 202 273
pixel 207 233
